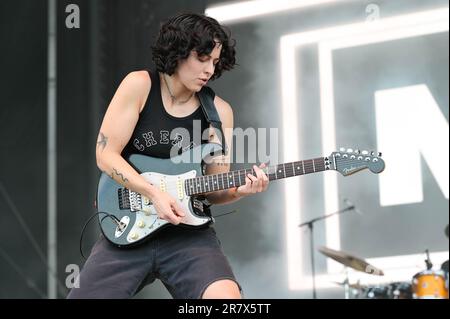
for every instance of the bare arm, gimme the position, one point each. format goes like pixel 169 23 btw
pixel 117 127
pixel 221 164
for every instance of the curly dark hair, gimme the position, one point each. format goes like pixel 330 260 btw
pixel 185 32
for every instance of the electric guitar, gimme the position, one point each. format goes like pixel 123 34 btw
pixel 128 218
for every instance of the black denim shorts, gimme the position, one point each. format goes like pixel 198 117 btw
pixel 186 260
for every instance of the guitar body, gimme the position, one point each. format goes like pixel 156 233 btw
pixel 138 218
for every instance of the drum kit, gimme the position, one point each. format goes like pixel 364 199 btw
pixel 427 284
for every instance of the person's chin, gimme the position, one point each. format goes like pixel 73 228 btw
pixel 197 88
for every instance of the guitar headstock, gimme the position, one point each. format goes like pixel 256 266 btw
pixel 349 161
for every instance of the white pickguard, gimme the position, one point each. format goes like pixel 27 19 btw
pixel 147 220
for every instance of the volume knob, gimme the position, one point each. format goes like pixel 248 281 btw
pixel 141 224
pixel 134 236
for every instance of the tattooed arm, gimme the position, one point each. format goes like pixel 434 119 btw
pixel 117 128
pixel 115 132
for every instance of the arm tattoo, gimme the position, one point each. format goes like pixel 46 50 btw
pixel 119 175
pixel 103 140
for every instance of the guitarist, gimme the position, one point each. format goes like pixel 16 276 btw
pixel 145 116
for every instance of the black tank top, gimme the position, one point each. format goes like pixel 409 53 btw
pixel 159 134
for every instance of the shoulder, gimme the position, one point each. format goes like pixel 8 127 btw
pixel 138 80
pixel 138 85
pixel 224 109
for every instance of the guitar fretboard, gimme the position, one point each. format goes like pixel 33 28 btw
pixel 216 182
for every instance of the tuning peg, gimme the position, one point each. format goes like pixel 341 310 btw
pixel 342 149
pixel 379 154
pixel 372 153
pixel 357 151
pixel 365 152
pixel 349 150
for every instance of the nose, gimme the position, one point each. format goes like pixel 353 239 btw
pixel 210 68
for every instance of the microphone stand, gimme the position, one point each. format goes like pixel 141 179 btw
pixel 310 225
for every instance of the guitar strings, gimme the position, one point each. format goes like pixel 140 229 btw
pixel 243 173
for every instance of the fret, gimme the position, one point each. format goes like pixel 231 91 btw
pixel 247 171
pixel 223 182
pixel 211 182
pixel 278 170
pixel 208 182
pixel 284 170
pixel 303 167
pixel 227 184
pixel 271 172
pixel 239 174
pixel 205 183
pixel 313 166
pixel 216 184
pixel 293 169
pixel 245 174
pixel 200 182
pixel 296 168
pixel 320 165
pixel 308 169
pixel 197 185
pixel 230 183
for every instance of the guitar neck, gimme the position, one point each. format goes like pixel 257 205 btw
pixel 216 182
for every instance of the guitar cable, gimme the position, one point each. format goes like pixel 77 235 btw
pixel 114 218
pixel 120 224
pixel 223 214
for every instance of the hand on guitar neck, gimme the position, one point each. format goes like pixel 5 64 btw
pixel 254 184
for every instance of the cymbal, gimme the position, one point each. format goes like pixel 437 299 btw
pixel 351 261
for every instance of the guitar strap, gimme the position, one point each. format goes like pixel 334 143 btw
pixel 206 97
